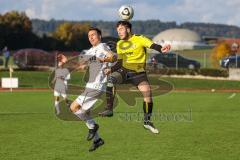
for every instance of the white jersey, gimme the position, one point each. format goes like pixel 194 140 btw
pixel 62 75
pixel 97 78
pixel 97 82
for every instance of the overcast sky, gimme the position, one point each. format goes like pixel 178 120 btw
pixel 213 11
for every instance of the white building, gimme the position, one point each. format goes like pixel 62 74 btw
pixel 180 39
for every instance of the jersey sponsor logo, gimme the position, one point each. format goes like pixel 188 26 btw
pixel 124 45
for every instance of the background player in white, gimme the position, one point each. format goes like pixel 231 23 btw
pixel 96 58
pixel 61 77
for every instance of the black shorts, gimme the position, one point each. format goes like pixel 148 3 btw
pixel 124 76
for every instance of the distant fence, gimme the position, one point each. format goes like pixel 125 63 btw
pixel 178 60
pixel 27 58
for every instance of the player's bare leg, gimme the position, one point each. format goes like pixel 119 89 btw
pixel 84 115
pixel 90 123
pixel 145 89
pixel 56 104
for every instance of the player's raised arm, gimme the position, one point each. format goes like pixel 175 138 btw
pixel 81 65
pixel 162 49
pixel 157 47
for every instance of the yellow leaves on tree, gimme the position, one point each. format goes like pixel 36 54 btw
pixel 71 33
pixel 63 32
pixel 220 51
pixel 18 21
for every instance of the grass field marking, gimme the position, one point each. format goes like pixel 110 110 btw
pixel 232 96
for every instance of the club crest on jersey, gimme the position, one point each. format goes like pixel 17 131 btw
pixel 124 45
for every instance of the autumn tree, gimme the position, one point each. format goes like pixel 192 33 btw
pixel 16 30
pixel 220 51
pixel 73 35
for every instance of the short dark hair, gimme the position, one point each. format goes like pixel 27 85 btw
pixel 99 32
pixel 124 23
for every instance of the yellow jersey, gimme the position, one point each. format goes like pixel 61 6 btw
pixel 133 52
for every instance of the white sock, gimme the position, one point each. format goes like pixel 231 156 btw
pixel 80 114
pixel 57 107
pixel 90 123
pixel 85 117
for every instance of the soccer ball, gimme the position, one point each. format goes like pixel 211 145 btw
pixel 126 12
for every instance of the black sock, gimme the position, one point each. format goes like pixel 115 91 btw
pixel 110 97
pixel 147 109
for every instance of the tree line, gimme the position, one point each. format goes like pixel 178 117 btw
pixel 147 27
pixel 18 31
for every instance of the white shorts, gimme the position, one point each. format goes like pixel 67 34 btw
pixel 88 98
pixel 58 94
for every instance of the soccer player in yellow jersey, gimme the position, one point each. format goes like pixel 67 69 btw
pixel 131 50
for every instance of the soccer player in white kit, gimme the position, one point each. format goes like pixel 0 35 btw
pixel 97 57
pixel 61 77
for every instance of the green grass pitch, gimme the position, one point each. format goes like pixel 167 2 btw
pixel 194 126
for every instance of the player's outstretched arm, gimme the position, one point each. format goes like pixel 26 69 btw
pixel 162 49
pixel 82 66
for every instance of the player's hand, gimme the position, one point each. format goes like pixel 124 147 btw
pixel 82 67
pixel 166 48
pixel 107 71
pixel 101 60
